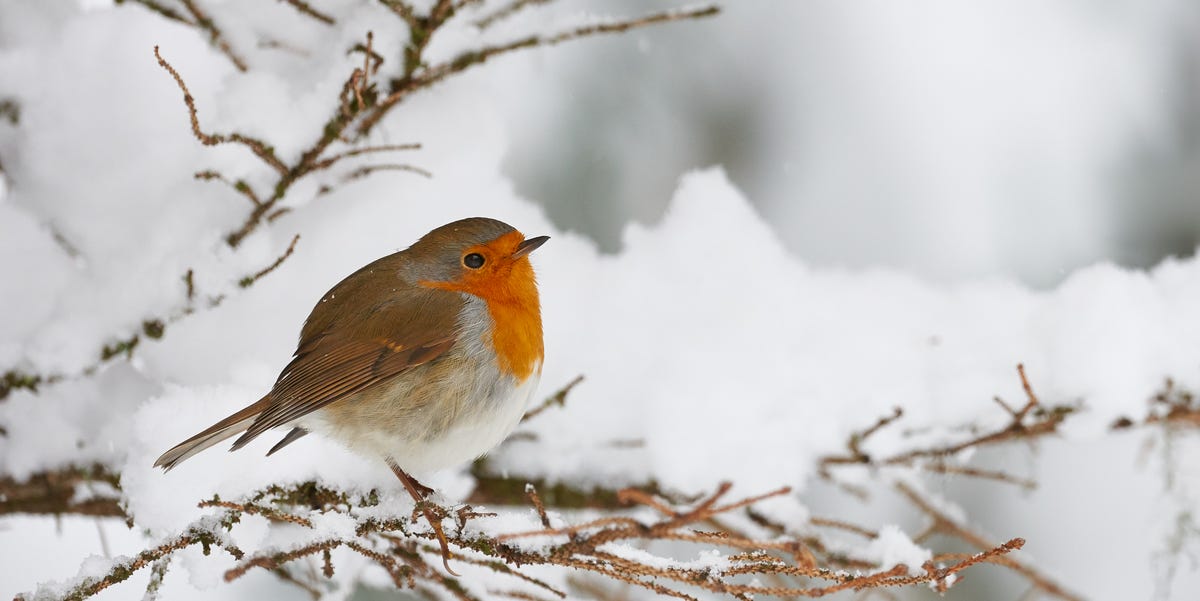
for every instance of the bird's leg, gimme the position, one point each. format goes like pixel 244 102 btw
pixel 419 492
pixel 423 490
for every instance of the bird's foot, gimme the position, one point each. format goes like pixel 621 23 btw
pixel 433 512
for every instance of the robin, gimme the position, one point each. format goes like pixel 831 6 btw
pixel 426 358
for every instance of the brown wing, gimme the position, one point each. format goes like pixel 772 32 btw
pixel 408 328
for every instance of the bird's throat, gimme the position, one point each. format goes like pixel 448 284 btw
pixel 513 304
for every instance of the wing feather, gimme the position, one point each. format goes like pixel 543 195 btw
pixel 399 335
pixel 346 346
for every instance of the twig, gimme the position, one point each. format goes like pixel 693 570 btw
pixel 537 504
pixel 125 568
pixel 362 172
pixel 158 571
pixel 507 11
pixel 558 398
pixel 55 493
pixel 396 548
pixel 1032 420
pixel 163 11
pixel 942 468
pixel 329 162
pixel 307 9
pixel 258 147
pixel 949 526
pixel 249 280
pixel 190 281
pixel 428 77
pixel 240 185
pixel 252 509
pixel 201 20
pixel 842 525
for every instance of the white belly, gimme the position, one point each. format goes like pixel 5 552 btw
pixel 469 438
pixel 480 426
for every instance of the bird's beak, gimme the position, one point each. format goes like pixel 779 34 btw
pixel 528 246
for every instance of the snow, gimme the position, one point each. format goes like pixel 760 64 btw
pixel 714 347
pixel 893 547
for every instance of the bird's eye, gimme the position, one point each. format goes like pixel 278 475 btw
pixel 473 260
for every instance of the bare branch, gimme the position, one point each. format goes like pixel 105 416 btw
pixel 1031 421
pixel 558 398
pixel 258 147
pixel 162 10
pixel 507 11
pixel 201 20
pixel 946 524
pixel 307 9
pixel 329 162
pixel 467 60
pixel 249 280
pixel 240 185
pixel 362 172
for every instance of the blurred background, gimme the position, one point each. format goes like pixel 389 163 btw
pixel 945 138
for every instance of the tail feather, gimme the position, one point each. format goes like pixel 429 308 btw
pixel 226 428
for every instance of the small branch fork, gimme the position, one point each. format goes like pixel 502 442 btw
pixel 1028 422
pixel 408 557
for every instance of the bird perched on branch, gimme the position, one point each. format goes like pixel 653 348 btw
pixel 425 358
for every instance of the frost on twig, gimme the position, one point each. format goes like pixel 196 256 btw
pixel 611 547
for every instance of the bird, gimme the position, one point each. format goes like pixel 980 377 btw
pixel 426 358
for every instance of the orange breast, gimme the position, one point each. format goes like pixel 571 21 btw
pixel 517 336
